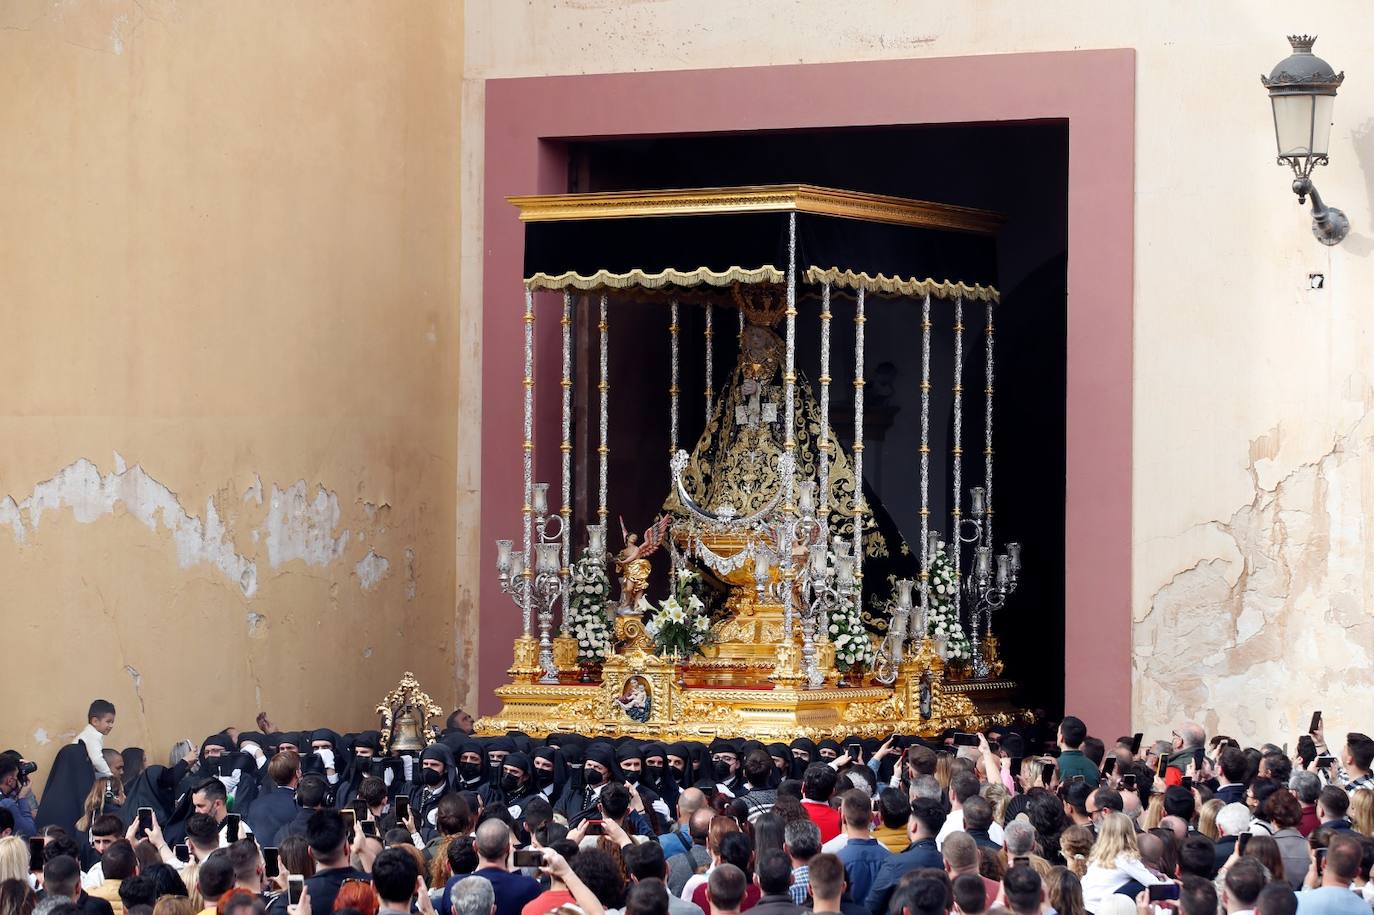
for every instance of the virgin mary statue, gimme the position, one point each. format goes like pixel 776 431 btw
pixel 733 469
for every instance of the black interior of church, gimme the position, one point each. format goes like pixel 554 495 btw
pixel 1017 169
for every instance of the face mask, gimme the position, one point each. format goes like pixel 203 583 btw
pixel 677 771
pixel 470 770
pixel 432 779
pixel 543 777
pixel 592 777
pixel 510 782
pixel 631 778
pixel 722 770
pixel 654 774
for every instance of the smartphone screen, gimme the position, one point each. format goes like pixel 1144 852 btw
pixel 145 819
pixel 1163 892
pixel 350 818
pixel 594 828
pixel 402 808
pixel 1316 722
pixel 1020 861
pixel 1324 762
pixel 271 862
pixel 1128 781
pixel 1046 773
pixel 370 828
pixel 1162 766
pixel 36 853
pixel 1198 759
pixel 183 853
pixel 231 827
pixel 855 751
pixel 1320 857
pixel 1135 744
pixel 1109 765
pixel 966 740
pixel 529 857
pixel 1015 767
pixel 1241 841
pixel 1187 782
pixel 295 885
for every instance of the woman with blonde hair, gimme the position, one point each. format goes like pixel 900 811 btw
pixel 14 859
pixel 943 770
pixel 1207 818
pixel 105 792
pixel 1075 843
pixel 998 796
pixel 1362 811
pixel 1114 861
pixel 1153 814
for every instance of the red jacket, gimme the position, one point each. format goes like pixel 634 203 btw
pixel 824 816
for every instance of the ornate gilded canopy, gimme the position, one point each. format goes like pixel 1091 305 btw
pixel 643 243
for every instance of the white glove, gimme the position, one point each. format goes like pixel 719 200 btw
pixel 432 816
pixel 408 766
pixel 254 751
pixel 388 776
pixel 326 757
pixel 231 781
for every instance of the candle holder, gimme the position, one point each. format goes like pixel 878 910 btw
pixel 541 588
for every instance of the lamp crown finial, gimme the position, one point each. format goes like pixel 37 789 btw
pixel 1302 44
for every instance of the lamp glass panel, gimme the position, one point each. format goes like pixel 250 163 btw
pixel 1321 124
pixel 1293 124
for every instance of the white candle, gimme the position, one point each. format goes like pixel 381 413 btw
pixel 540 502
pixel 806 499
pixel 904 587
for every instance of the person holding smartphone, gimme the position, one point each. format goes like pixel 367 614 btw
pixel 513 890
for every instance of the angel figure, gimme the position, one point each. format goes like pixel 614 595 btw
pixel 632 562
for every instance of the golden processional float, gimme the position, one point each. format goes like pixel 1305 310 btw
pixel 795 606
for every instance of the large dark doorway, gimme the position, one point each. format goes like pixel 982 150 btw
pixel 1019 170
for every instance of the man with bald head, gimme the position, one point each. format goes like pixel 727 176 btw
pixel 678 840
pixel 1177 825
pixel 681 867
pixel 512 889
pixel 1185 748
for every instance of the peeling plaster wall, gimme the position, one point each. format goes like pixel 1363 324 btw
pixel 228 448
pixel 1251 462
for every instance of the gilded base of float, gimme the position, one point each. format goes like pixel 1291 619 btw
pixel 644 696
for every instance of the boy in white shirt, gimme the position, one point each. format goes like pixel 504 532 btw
pixel 100 721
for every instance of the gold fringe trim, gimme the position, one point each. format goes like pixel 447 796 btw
pixel 706 277
pixel 702 276
pixel 895 285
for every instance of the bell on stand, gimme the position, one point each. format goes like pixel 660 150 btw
pixel 406 733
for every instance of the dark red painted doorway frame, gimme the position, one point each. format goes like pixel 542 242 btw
pixel 1093 90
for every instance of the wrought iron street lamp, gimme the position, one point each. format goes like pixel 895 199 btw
pixel 1302 90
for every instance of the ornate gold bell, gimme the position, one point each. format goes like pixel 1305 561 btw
pixel 407 733
pixel 408 717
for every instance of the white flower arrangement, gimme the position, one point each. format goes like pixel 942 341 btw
pixel 680 625
pixel 588 623
pixel 853 644
pixel 942 616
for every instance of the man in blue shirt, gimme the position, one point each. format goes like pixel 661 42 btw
pixel 862 855
pixel 1329 893
pixel 927 816
pixel 512 890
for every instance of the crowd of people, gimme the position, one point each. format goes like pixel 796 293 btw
pixel 1040 820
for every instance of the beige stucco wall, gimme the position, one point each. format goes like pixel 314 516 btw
pixel 229 376
pixel 1253 463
